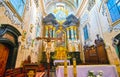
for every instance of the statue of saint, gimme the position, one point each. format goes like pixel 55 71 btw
pixel 99 40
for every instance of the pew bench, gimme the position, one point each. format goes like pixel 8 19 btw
pixel 17 72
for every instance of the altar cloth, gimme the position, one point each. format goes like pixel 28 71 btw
pixel 61 61
pixel 82 70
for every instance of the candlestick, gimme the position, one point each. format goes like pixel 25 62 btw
pixel 74 68
pixel 65 68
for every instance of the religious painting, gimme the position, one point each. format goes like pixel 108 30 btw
pixel 61 34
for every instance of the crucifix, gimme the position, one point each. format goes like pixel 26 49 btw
pixel 48 39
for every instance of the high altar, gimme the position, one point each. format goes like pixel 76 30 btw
pixel 68 46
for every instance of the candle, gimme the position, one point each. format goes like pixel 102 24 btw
pixel 65 68
pixel 74 68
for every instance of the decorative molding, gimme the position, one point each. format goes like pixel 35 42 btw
pixel 91 3
pixel 12 16
pixel 1 3
pixel 71 20
pixel 115 28
pixel 50 19
pixel 105 1
pixel 36 2
pixel 104 12
pixel 84 18
pixel 27 5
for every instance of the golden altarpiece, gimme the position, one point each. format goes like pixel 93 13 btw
pixel 68 46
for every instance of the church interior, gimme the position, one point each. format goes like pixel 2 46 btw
pixel 59 38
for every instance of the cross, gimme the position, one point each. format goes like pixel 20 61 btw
pixel 48 40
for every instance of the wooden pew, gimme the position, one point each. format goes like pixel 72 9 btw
pixel 38 70
pixel 17 72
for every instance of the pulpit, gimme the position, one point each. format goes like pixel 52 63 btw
pixel 96 54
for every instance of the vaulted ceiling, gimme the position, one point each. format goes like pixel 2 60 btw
pixel 61 8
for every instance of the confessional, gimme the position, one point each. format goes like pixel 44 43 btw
pixel 96 54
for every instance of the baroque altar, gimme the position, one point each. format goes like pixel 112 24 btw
pixel 66 48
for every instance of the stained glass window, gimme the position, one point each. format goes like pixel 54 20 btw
pixel 114 9
pixel 19 6
pixel 85 29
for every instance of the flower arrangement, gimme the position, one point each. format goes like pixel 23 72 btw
pixel 91 73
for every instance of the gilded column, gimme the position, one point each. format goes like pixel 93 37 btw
pixel 46 31
pixel 68 34
pixel 74 68
pixel 53 31
pixel 75 31
pixel 65 69
pixel 72 33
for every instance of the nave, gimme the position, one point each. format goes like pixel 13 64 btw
pixel 59 38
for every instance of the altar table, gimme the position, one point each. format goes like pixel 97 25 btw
pixel 82 70
pixel 61 61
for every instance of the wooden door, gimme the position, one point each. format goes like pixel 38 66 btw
pixel 87 56
pixel 93 56
pixel 4 51
pixel 102 54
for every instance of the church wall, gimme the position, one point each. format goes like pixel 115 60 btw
pixel 30 46
pixel 108 33
pixel 32 16
pixel 93 25
pixel 90 19
pixel 109 46
pixel 5 20
pixel 98 24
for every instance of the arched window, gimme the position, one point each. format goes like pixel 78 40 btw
pixel 114 9
pixel 85 30
pixel 19 6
